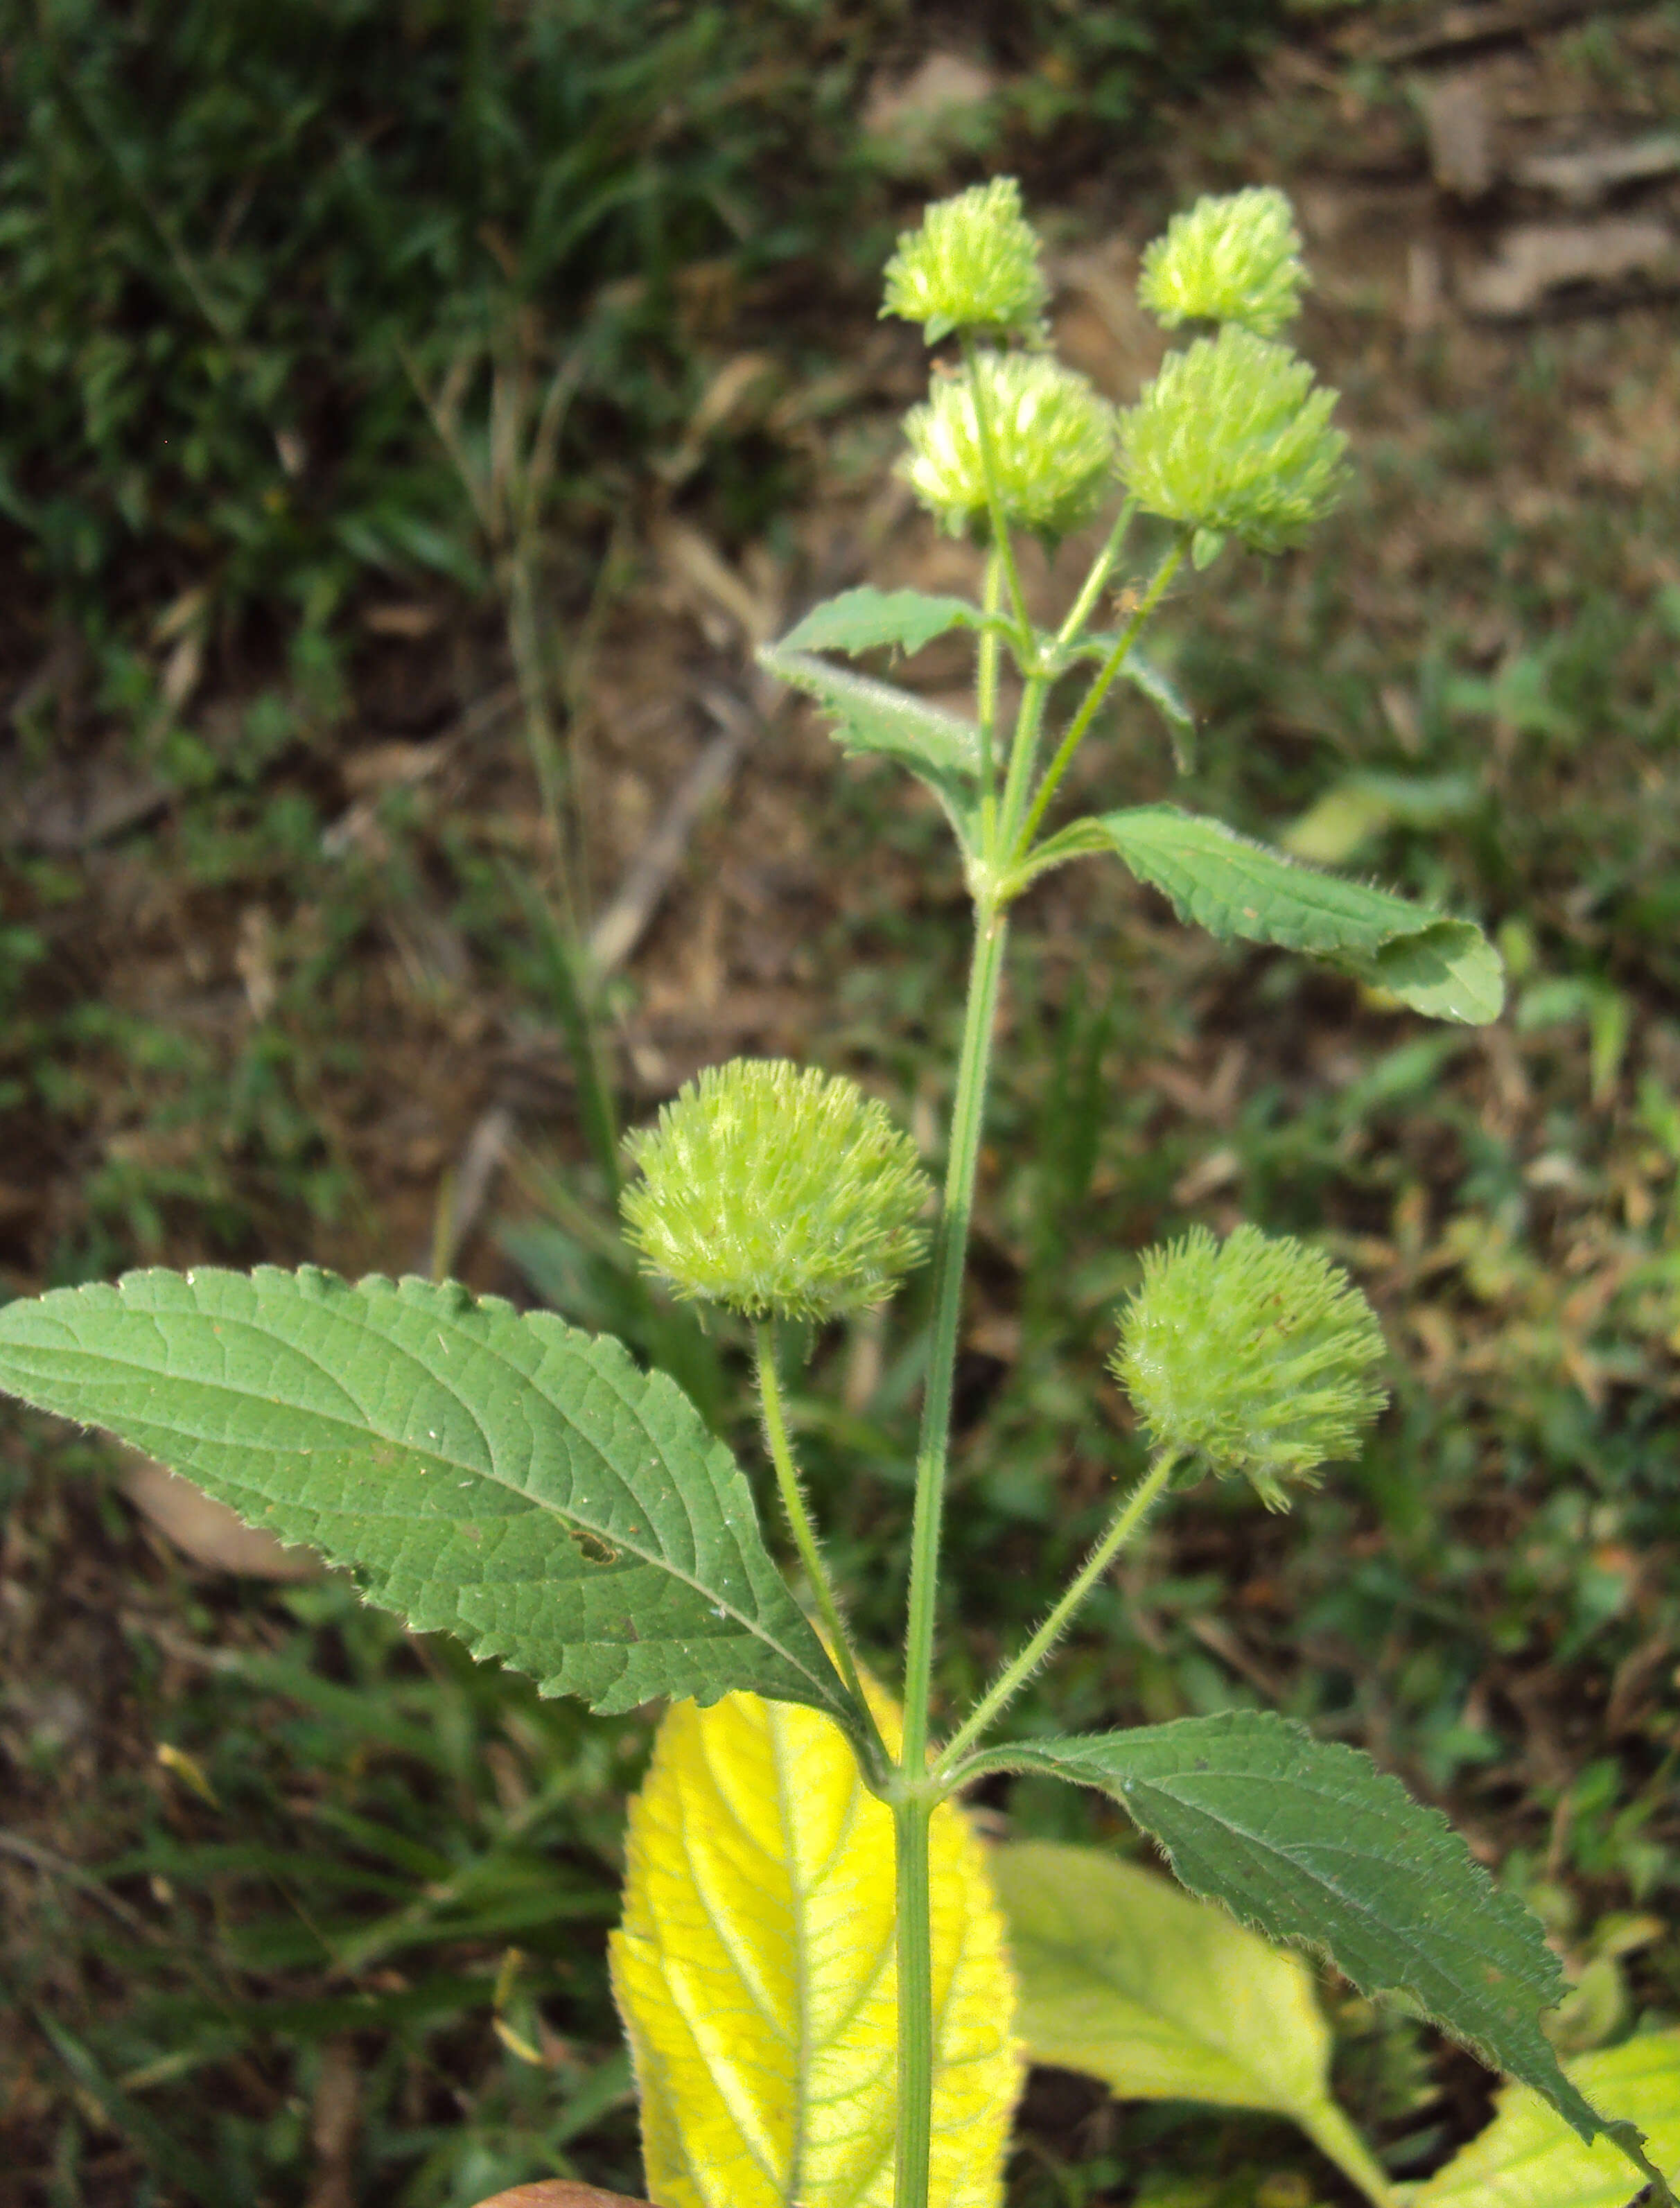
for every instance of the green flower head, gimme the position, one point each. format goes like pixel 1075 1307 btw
pixel 1252 1356
pixel 1231 438
pixel 1052 438
pixel 772 1188
pixel 972 265
pixel 1231 260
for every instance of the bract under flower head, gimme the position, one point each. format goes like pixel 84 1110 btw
pixel 1232 260
pixel 1053 439
pixel 1231 438
pixel 972 265
pixel 772 1188
pixel 1252 1356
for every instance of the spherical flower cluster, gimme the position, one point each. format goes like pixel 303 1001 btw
pixel 1232 260
pixel 1250 1356
pixel 772 1188
pixel 1231 438
pixel 972 265
pixel 1053 441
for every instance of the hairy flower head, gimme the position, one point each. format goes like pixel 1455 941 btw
pixel 972 265
pixel 1253 1355
pixel 1231 438
pixel 772 1188
pixel 1053 438
pixel 1232 260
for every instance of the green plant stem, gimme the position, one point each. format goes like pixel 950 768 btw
pixel 804 1537
pixel 1125 1523
pixel 986 697
pixel 994 501
pixel 1101 567
pixel 1098 691
pixel 913 1801
pixel 911 1819
pixel 1023 757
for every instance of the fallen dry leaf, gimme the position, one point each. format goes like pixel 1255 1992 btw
pixel 1461 136
pixel 1538 259
pixel 206 1531
pixel 1588 174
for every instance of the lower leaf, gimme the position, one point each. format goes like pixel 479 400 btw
pixel 756 1975
pixel 1528 2157
pixel 1125 1977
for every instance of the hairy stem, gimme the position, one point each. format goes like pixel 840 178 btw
pixel 914 1804
pixel 1098 691
pixel 1125 1523
pixel 1101 567
pixel 994 501
pixel 986 696
pixel 804 1537
pixel 910 1820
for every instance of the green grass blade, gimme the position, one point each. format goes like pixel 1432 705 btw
pixel 500 1477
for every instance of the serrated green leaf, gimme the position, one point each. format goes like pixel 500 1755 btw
pixel 876 717
pixel 756 1975
pixel 1307 1841
pixel 1123 1976
pixel 1528 2157
pixel 862 621
pixel 1233 886
pixel 494 1475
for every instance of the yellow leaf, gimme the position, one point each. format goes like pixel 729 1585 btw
pixel 755 1973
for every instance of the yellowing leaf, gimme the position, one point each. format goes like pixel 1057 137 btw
pixel 1128 1978
pixel 755 1973
pixel 1528 2157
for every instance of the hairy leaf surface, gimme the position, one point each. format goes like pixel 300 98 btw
pixel 498 1476
pixel 1308 1841
pixel 1528 2157
pixel 756 1975
pixel 1234 887
pixel 863 619
pixel 877 719
pixel 1124 1976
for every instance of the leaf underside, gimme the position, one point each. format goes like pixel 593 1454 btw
pixel 756 1975
pixel 1309 1842
pixel 1126 1977
pixel 495 1475
pixel 865 619
pixel 1234 887
pixel 877 718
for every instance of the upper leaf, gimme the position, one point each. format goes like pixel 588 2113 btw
pixel 1233 886
pixel 940 747
pixel 1308 1841
pixel 1165 1998
pixel 862 621
pixel 498 1476
pixel 757 1978
pixel 1527 2157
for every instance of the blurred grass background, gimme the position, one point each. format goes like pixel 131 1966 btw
pixel 302 1911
